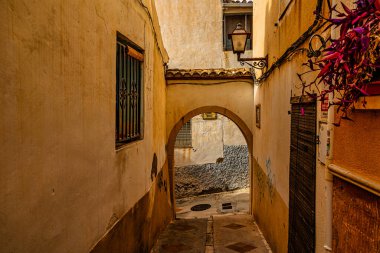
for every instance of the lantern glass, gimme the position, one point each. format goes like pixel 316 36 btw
pixel 239 39
pixel 238 42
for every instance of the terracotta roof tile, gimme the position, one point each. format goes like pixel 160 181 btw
pixel 183 74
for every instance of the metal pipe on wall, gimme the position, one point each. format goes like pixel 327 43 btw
pixel 328 176
pixel 329 160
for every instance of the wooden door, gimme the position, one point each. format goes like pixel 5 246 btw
pixel 302 178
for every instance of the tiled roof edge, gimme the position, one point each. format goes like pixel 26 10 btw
pixel 208 74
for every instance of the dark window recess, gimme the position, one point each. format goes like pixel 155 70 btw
pixel 184 138
pixel 229 24
pixel 129 88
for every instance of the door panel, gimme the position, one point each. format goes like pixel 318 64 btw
pixel 302 178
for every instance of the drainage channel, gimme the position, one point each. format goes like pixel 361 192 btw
pixel 200 207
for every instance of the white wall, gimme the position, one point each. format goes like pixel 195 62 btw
pixel 208 139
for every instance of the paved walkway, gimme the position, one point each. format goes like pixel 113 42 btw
pixel 228 233
pixel 220 203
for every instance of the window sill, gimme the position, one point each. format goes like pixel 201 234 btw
pixel 357 178
pixel 128 145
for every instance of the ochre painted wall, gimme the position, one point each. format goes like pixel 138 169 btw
pixel 271 142
pixel 138 229
pixel 357 142
pixel 184 96
pixel 270 210
pixel 63 184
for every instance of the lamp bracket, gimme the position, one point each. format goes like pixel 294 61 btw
pixel 257 62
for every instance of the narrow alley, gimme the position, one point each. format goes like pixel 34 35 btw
pixel 190 126
pixel 217 234
pixel 213 223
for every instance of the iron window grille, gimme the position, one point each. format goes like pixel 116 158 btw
pixel 230 22
pixel 184 137
pixel 129 89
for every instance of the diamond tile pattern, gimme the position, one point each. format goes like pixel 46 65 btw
pixel 234 226
pixel 241 247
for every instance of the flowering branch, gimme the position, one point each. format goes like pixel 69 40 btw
pixel 347 66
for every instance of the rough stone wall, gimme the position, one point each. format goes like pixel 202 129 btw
pixel 229 173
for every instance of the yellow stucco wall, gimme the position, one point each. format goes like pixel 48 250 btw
pixel 272 140
pixel 187 95
pixel 63 184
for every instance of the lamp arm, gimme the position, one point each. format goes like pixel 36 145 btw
pixel 257 62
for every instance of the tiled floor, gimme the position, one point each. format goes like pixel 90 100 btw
pixel 215 230
pixel 187 236
pixel 238 200
pixel 237 233
pixel 229 233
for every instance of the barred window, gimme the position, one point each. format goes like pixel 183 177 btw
pixel 229 24
pixel 129 88
pixel 184 138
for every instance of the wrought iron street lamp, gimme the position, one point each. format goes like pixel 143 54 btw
pixel 239 39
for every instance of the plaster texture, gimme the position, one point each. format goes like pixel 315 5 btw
pixel 63 184
pixel 230 174
pixel 351 148
pixel 207 143
pixel 193 34
pixel 271 141
pixel 208 140
pixel 233 95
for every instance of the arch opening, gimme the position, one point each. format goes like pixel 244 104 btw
pixel 245 131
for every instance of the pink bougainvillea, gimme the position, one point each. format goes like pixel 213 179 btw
pixel 348 64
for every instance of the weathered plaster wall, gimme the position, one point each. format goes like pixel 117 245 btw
pixel 272 140
pixel 186 96
pixel 208 139
pixel 232 136
pixel 270 210
pixel 207 143
pixel 63 184
pixel 193 34
pixel 138 229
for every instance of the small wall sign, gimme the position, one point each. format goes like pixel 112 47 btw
pixel 258 116
pixel 209 116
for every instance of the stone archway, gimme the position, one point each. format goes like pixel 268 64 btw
pixel 207 109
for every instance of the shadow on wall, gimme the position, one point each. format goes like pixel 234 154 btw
pixel 227 174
